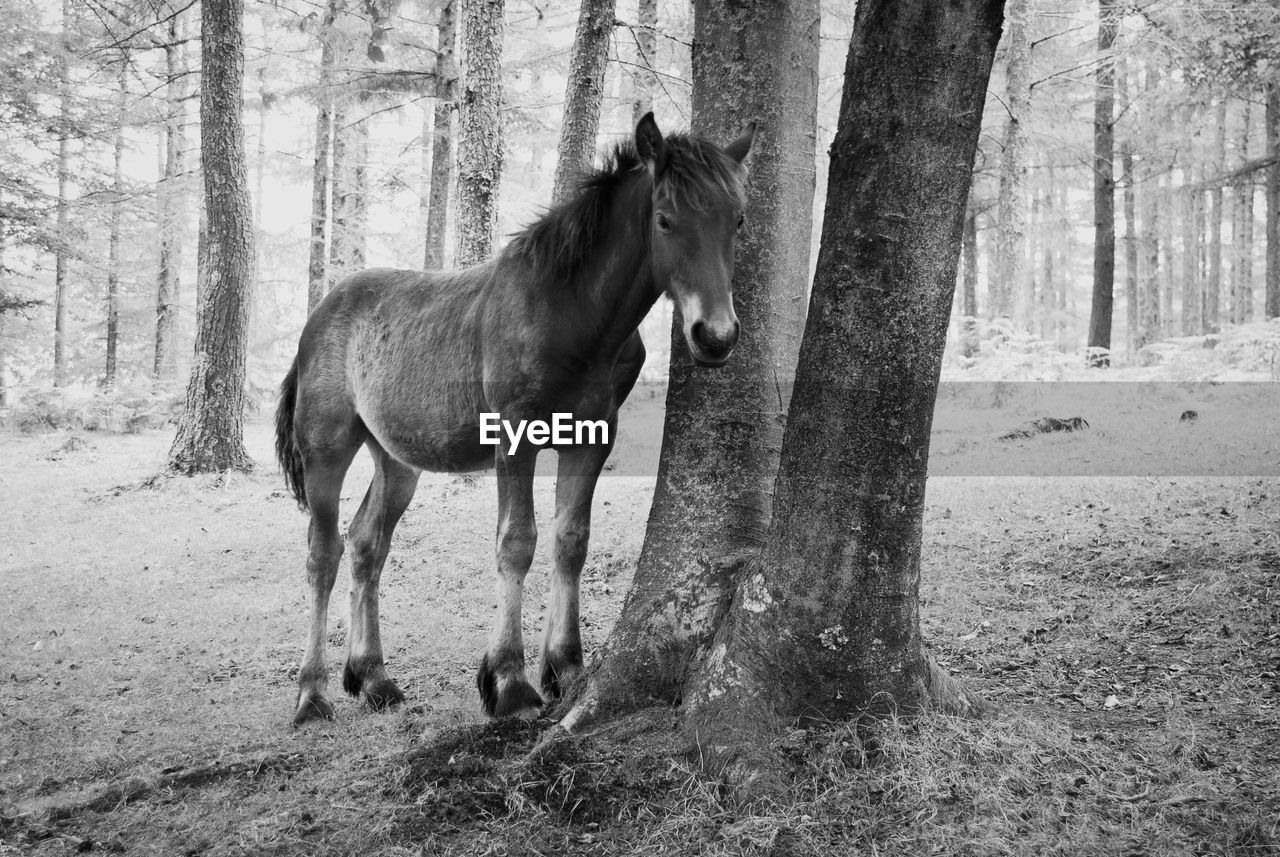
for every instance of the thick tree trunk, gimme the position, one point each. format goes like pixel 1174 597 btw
pixel 1104 186
pixel 113 237
pixel 442 140
pixel 480 130
pixel 969 282
pixel 755 62
pixel 210 431
pixel 317 275
pixel 1008 300
pixel 825 623
pixel 584 90
pixel 1211 321
pixel 646 41
pixel 172 202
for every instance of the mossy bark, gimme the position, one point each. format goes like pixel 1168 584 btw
pixel 825 621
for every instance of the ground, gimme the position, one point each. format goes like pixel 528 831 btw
pixel 1125 630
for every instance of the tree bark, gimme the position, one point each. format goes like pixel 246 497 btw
pixel 969 281
pixel 172 202
pixel 1272 120
pixel 1149 289
pixel 1190 258
pixel 1129 203
pixel 646 40
pixel 1104 202
pixel 1168 265
pixel 480 130
pixel 753 62
pixel 62 246
pixel 825 624
pixel 1009 301
pixel 317 275
pixel 1242 291
pixel 210 430
pixel 584 90
pixel 442 137
pixel 1211 320
pixel 113 230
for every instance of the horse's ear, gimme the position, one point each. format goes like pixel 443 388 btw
pixel 650 146
pixel 739 148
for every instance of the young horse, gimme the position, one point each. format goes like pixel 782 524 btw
pixel 405 362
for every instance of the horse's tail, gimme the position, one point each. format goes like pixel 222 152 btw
pixel 287 452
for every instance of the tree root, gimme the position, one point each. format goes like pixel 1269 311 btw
pixel 131 789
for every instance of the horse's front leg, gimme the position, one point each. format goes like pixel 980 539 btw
pixel 579 468
pixel 504 689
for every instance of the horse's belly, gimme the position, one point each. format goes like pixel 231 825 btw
pixel 429 443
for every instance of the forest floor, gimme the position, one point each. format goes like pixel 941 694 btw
pixel 1125 630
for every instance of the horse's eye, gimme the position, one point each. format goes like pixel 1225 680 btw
pixel 741 220
pixel 664 223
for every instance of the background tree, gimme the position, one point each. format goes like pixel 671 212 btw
pixel 583 93
pixel 442 154
pixel 480 129
pixel 1008 293
pixel 1104 188
pixel 210 431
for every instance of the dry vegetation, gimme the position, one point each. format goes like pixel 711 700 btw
pixel 1126 631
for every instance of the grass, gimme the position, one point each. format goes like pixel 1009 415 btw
pixel 1125 631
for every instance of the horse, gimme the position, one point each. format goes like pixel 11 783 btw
pixel 406 362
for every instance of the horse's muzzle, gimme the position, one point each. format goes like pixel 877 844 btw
pixel 710 345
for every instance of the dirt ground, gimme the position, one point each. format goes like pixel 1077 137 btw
pixel 1126 630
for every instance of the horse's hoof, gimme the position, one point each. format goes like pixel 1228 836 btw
pixel 560 673
pixel 507 693
pixel 314 707
pixel 381 694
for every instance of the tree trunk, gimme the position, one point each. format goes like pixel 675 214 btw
pixel 346 222
pixel 1211 321
pixel 755 61
pixel 172 202
pixel 1149 290
pixel 210 431
pixel 1273 201
pixel 113 237
pixel 1049 294
pixel 969 282
pixel 1104 200
pixel 317 275
pixel 1242 297
pixel 646 40
pixel 1130 218
pixel 1167 266
pixel 480 130
pixel 825 623
pixel 1190 258
pixel 584 89
pixel 442 142
pixel 1008 300
pixel 62 246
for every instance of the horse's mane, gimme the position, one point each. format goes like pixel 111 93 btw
pixel 696 174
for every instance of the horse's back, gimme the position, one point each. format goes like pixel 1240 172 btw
pixel 398 351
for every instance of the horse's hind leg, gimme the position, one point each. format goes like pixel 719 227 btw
pixel 370 535
pixel 324 552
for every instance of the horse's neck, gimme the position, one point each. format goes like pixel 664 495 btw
pixel 616 281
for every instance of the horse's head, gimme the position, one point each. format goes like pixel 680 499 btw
pixel 698 202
